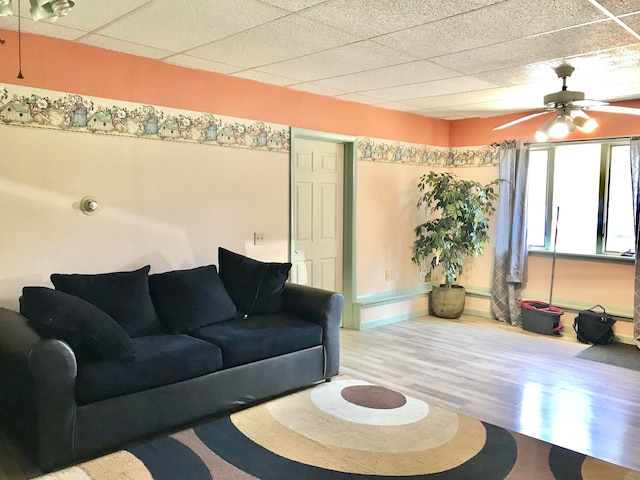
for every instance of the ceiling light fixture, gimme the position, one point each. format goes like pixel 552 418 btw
pixel 583 122
pixel 565 122
pixel 5 8
pixel 49 10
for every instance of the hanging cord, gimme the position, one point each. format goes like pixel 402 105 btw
pixel 255 298
pixel 19 43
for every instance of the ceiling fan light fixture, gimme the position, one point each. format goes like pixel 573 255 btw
pixel 561 126
pixel 542 135
pixel 584 122
pixel 5 8
pixel 50 9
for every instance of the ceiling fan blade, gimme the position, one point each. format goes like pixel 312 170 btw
pixel 616 109
pixel 586 103
pixel 519 120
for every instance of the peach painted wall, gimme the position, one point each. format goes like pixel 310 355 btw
pixel 386 214
pixel 68 67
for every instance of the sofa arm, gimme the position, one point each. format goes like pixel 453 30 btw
pixel 53 366
pixel 323 307
pixel 38 392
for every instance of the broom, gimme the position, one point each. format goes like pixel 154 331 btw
pixel 553 262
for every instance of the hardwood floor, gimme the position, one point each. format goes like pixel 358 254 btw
pixel 522 381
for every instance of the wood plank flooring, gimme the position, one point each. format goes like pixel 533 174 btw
pixel 523 381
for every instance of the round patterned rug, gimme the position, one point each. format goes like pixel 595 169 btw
pixel 345 429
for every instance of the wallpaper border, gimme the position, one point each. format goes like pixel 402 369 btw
pixel 34 108
pixel 46 109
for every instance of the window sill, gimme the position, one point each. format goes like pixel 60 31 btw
pixel 602 258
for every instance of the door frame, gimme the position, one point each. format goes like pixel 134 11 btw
pixel 350 144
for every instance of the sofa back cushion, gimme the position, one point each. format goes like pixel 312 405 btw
pixel 256 287
pixel 189 299
pixel 86 328
pixel 122 295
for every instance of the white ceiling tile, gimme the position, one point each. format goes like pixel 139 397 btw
pixel 370 18
pixel 359 98
pixel 522 98
pixel 201 64
pixel 430 89
pixel 167 24
pixel 401 107
pixel 317 89
pixel 282 39
pixel 633 21
pixel 344 60
pixel 621 7
pixel 556 45
pixel 89 16
pixel 264 78
pixel 122 46
pixel 412 72
pixel 293 5
pixel 495 24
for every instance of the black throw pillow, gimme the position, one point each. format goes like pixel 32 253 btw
pixel 55 314
pixel 189 299
pixel 254 286
pixel 122 295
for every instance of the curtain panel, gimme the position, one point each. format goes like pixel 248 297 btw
pixel 509 273
pixel 635 189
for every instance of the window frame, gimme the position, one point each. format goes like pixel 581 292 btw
pixel 601 255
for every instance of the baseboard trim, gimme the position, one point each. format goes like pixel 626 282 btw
pixel 478 313
pixel 395 296
pixel 396 318
pixel 386 298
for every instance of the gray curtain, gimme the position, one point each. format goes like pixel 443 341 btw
pixel 635 189
pixel 509 274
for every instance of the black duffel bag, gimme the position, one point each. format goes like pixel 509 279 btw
pixel 594 327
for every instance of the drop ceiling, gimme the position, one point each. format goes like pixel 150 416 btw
pixel 449 59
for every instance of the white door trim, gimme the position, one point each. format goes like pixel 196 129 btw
pixel 349 253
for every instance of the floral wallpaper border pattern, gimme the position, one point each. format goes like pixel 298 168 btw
pixel 71 112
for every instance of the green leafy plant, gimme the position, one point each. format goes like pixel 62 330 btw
pixel 460 227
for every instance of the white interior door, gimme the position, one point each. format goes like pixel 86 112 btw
pixel 318 214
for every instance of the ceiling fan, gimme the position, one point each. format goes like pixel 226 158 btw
pixel 569 108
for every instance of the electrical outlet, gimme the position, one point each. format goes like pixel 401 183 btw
pixel 258 238
pixel 388 275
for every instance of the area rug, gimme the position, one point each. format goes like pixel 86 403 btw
pixel 344 430
pixel 618 354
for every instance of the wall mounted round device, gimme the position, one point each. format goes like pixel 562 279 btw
pixel 89 205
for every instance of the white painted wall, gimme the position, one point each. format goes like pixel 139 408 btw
pixel 166 204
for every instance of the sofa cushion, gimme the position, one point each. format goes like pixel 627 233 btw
pixel 260 336
pixel 160 360
pixel 122 295
pixel 255 287
pixel 190 299
pixel 83 326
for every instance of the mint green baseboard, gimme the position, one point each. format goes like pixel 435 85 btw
pixel 396 296
pixel 389 320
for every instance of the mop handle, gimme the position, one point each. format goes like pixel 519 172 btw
pixel 553 262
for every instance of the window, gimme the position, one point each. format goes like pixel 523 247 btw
pixel 580 193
